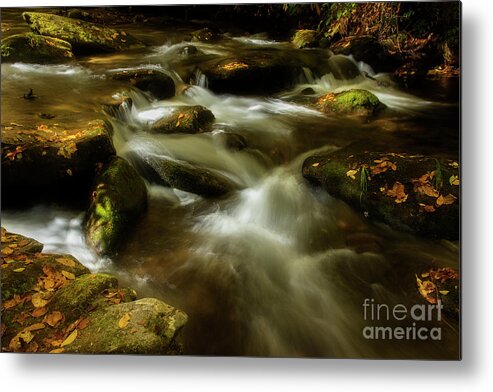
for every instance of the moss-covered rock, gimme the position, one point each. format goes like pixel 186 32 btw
pixel 23 266
pixel 51 303
pixel 34 48
pixel 81 295
pixel 354 102
pixel 84 36
pixel 185 119
pixel 151 80
pixel 184 176
pixel 413 193
pixel 305 39
pixel 257 73
pixel 53 160
pixel 119 197
pixel 152 328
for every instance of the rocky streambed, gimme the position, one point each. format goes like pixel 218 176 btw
pixel 265 187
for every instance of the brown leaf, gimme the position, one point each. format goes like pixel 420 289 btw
pixel 53 318
pixel 66 261
pixel 397 191
pixel 35 327
pixel 83 323
pixel 445 200
pixel 38 301
pixel 57 351
pixel 38 312
pixel 68 275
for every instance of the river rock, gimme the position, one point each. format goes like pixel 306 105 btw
pixel 413 193
pixel 34 48
pixel 305 39
pixel 52 303
pixel 151 80
pixel 185 119
pixel 354 102
pixel 367 49
pixel 232 141
pixel 253 74
pixel 84 36
pixel 185 176
pixel 52 160
pixel 204 35
pixel 153 328
pixel 119 197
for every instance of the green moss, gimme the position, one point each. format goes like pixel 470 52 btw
pixel 34 48
pixel 189 119
pixel 305 38
pixel 354 101
pixel 119 197
pixel 76 298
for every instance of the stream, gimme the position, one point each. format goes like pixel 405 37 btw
pixel 263 271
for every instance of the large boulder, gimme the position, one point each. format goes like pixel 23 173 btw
pixel 183 176
pixel 145 326
pixel 151 80
pixel 118 199
pixel 413 193
pixel 84 36
pixel 34 48
pixel 255 73
pixel 367 49
pixel 52 160
pixel 185 119
pixel 305 39
pixel 353 102
pixel 204 35
pixel 52 304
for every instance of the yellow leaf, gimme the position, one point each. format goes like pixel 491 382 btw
pixel 316 164
pixel 123 322
pixel 65 261
pixel 38 301
pixel 38 312
pixel 19 269
pixel 444 292
pixel 70 339
pixel 454 180
pixel 445 200
pixel 68 275
pixel 351 173
pixel 57 351
pixel 7 251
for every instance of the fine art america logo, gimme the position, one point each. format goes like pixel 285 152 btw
pixel 412 318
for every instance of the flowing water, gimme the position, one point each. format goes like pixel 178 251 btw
pixel 264 270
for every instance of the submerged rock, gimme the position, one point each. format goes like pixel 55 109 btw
pixel 413 193
pixel 185 119
pixel 305 39
pixel 355 102
pixel 119 197
pixel 151 80
pixel 205 35
pixel 52 160
pixel 34 48
pixel 232 141
pixel 84 36
pixel 256 73
pixel 184 176
pixel 51 303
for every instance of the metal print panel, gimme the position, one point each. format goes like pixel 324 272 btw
pixel 274 180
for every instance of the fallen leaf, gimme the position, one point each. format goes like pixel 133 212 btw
pixel 38 301
pixel 57 351
pixel 444 292
pixel 454 180
pixel 83 323
pixel 35 327
pixel 65 261
pixel 68 275
pixel 351 174
pixel 397 191
pixel 315 164
pixel 445 200
pixel 426 288
pixel 38 312
pixel 70 339
pixel 123 322
pixel 53 318
pixel 17 341
pixel 16 300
